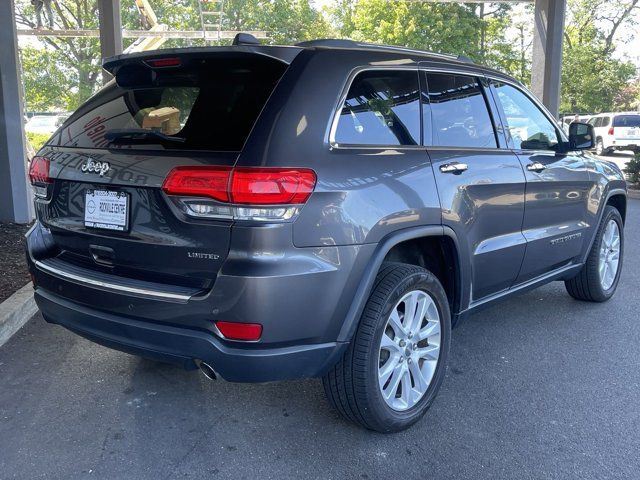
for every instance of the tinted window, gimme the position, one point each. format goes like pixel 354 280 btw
pixel 212 105
pixel 596 122
pixel 605 122
pixel 626 121
pixel 529 128
pixel 459 112
pixel 381 108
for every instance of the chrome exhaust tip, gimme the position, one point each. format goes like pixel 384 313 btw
pixel 207 370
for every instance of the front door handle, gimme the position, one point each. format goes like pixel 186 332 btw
pixel 536 167
pixel 455 168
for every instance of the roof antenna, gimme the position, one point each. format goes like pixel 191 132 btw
pixel 245 39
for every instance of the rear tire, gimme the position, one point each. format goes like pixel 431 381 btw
pixel 396 362
pixel 596 282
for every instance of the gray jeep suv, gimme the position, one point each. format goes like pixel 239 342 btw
pixel 329 209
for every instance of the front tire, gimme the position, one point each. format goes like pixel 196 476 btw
pixel 598 279
pixel 600 150
pixel 396 362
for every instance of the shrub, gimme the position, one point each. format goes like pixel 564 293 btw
pixel 37 140
pixel 633 169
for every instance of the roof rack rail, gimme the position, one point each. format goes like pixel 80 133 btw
pixel 346 43
pixel 245 39
pixel 328 42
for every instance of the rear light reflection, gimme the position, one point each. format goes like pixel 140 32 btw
pixel 248 332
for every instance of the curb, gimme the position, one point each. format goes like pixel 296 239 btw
pixel 633 193
pixel 15 311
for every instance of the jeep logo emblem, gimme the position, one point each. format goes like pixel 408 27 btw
pixel 91 166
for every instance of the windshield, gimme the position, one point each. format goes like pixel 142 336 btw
pixel 626 121
pixel 212 107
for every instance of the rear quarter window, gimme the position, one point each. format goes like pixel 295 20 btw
pixel 381 108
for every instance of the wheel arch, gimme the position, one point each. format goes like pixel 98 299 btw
pixel 617 197
pixel 431 234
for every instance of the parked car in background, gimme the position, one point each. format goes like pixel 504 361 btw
pixel 44 124
pixel 616 131
pixel 328 210
pixel 567 120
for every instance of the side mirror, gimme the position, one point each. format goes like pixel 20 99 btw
pixel 581 136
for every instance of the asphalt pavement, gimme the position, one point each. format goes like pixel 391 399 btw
pixel 539 387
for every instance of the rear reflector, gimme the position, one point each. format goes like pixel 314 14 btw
pixel 240 331
pixel 243 185
pixel 39 171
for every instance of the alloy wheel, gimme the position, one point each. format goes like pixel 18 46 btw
pixel 609 255
pixel 409 350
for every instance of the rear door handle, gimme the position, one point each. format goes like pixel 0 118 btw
pixel 455 168
pixel 536 167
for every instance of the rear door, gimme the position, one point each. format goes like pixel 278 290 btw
pixel 106 208
pixel 481 186
pixel 556 219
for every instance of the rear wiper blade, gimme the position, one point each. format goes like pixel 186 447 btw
pixel 139 135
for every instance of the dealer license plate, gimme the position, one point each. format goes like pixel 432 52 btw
pixel 106 209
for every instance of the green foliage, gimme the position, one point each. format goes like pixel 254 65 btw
pixel 633 169
pixel 592 77
pixel 45 84
pixel 60 73
pixel 37 140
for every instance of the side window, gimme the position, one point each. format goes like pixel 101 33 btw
pixel 596 122
pixel 381 108
pixel 459 112
pixel 605 122
pixel 529 128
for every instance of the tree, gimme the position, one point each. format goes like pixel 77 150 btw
pixel 74 63
pixel 592 77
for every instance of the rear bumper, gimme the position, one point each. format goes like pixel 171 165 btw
pixel 183 346
pixel 624 144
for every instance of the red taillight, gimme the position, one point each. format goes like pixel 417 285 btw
pixel 243 185
pixel 271 186
pixel 610 132
pixel 164 62
pixel 212 182
pixel 39 171
pixel 240 331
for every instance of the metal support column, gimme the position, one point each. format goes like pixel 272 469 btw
pixel 110 30
pixel 15 193
pixel 547 52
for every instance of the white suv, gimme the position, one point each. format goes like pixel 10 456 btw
pixel 616 131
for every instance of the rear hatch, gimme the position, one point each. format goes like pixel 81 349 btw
pixel 103 202
pixel 626 127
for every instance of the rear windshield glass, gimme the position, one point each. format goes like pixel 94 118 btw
pixel 210 106
pixel 626 121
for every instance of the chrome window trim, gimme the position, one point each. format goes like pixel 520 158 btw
pixel 142 292
pixel 467 70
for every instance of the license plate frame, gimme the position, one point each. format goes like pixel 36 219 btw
pixel 106 209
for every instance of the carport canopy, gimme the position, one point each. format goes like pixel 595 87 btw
pixel 15 194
